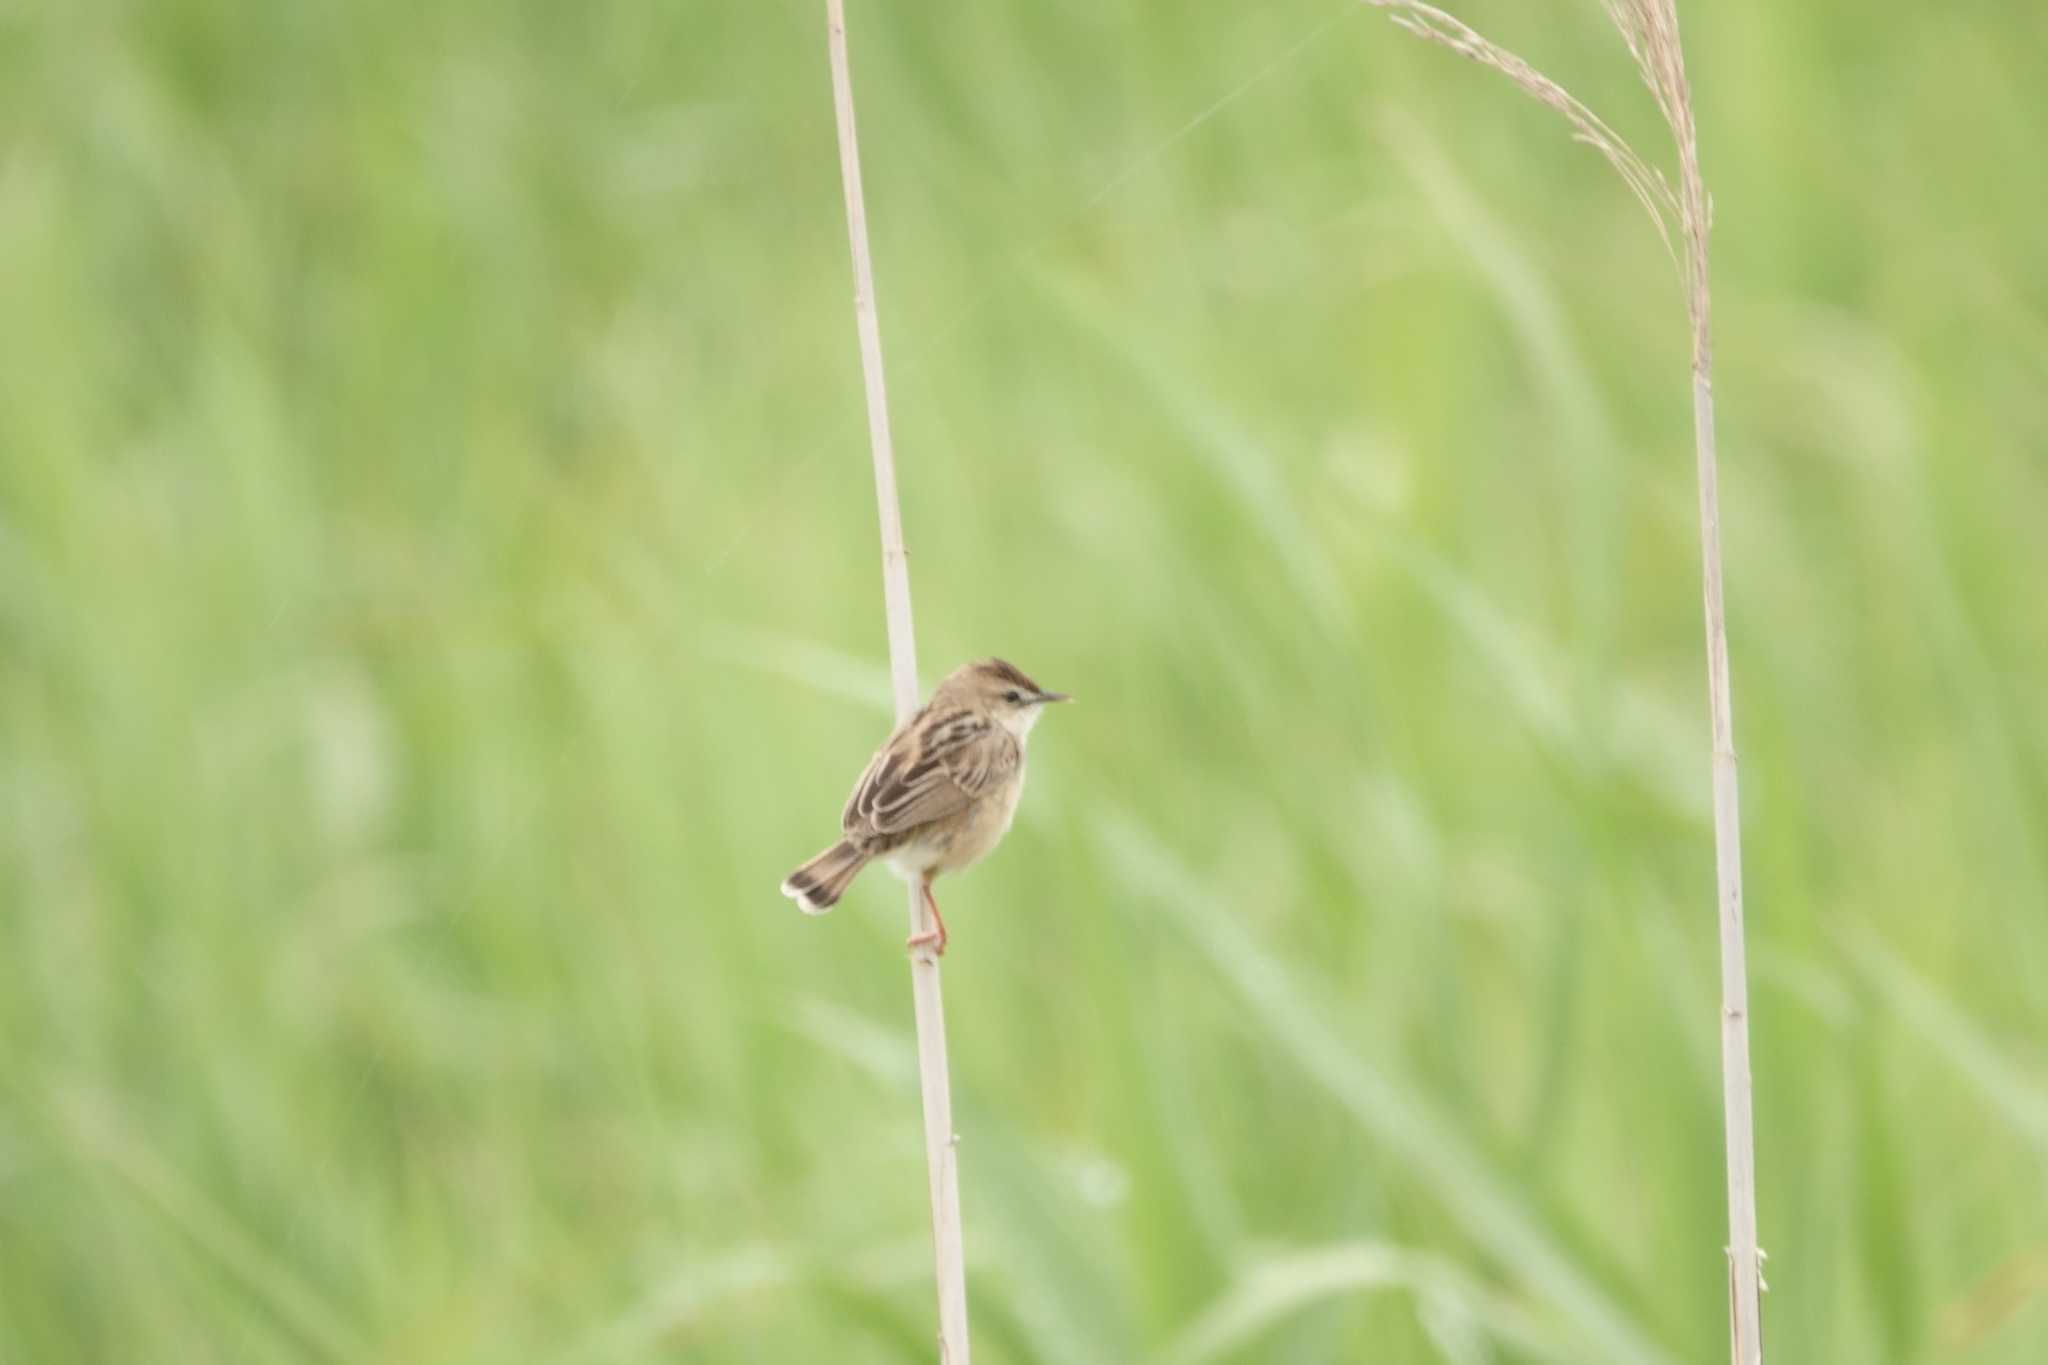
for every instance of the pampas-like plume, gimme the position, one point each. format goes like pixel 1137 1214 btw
pixel 941 1156
pixel 1650 29
pixel 1644 181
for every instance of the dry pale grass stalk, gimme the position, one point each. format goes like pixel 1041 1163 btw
pixel 941 1154
pixel 1644 181
pixel 1650 28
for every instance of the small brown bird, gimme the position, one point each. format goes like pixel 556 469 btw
pixel 939 795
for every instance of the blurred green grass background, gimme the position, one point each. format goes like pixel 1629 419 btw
pixel 439 600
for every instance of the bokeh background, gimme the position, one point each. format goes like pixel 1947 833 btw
pixel 439 601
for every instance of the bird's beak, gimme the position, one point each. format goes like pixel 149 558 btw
pixel 1044 697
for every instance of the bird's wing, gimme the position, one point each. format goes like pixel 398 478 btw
pixel 930 769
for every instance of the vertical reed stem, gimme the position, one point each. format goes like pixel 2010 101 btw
pixel 1650 28
pixel 941 1153
pixel 1745 1326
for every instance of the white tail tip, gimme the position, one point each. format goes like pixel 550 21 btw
pixel 803 900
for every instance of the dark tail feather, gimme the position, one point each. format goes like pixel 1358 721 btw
pixel 817 886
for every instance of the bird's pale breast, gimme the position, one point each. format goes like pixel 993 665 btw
pixel 986 822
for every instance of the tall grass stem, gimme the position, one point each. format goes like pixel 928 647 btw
pixel 1746 1277
pixel 941 1151
pixel 1650 28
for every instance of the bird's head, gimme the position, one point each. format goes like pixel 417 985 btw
pixel 1001 689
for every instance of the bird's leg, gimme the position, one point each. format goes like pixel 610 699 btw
pixel 934 937
pixel 937 918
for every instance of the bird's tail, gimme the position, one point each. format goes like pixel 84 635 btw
pixel 817 886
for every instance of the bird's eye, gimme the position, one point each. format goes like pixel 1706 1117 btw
pixel 1013 696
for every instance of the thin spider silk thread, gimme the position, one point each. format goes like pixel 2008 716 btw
pixel 919 361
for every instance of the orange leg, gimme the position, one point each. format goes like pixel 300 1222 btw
pixel 935 937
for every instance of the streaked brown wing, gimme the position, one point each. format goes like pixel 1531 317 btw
pixel 927 771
